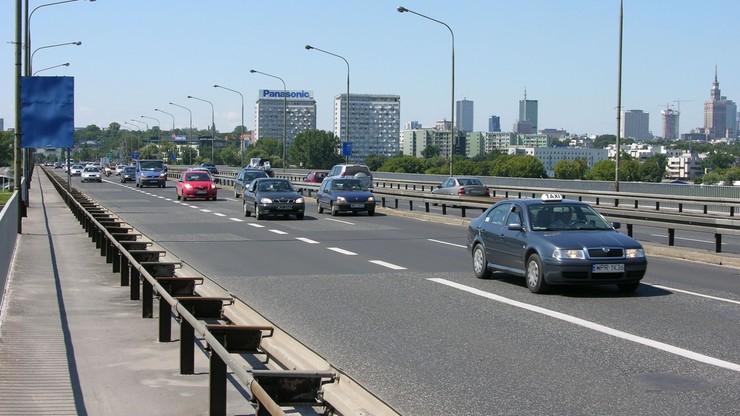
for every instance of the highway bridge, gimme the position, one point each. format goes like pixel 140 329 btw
pixel 392 301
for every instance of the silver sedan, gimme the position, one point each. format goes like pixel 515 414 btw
pixel 462 185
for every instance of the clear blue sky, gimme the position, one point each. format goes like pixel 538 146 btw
pixel 138 55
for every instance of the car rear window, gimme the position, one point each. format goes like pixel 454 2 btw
pixel 353 170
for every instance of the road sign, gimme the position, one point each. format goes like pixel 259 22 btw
pixel 347 149
pixel 173 156
pixel 134 155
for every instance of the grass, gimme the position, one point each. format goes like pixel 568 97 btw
pixel 5 196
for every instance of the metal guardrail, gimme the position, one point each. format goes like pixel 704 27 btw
pixel 216 319
pixel 715 215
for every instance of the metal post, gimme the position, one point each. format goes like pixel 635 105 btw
pixel 285 115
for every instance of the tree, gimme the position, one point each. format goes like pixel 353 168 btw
pixel 629 170
pixel 230 156
pixel 603 170
pixel 7 147
pixel 653 168
pixel 526 166
pixel 315 149
pixel 374 162
pixel 403 164
pixel 571 169
pixel 430 152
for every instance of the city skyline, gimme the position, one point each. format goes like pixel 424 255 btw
pixel 133 58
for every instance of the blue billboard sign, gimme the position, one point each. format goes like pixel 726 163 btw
pixel 347 149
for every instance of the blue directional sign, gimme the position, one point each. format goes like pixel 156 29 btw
pixel 134 155
pixel 347 149
pixel 173 156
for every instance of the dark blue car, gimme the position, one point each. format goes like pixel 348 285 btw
pixel 553 241
pixel 345 195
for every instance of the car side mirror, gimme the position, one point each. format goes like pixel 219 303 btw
pixel 514 227
pixel 617 225
pixel 439 186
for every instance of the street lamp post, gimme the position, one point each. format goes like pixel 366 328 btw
pixel 191 130
pixel 402 9
pixel 213 126
pixel 241 141
pixel 346 137
pixel 147 128
pixel 159 127
pixel 51 67
pixel 131 145
pixel 30 65
pixel 173 123
pixel 285 113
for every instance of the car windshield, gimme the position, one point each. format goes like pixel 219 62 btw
pixel 129 169
pixel 274 186
pixel 249 176
pixel 92 169
pixel 197 177
pixel 151 165
pixel 469 181
pixel 347 185
pixel 565 217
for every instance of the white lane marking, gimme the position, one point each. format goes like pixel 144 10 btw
pixel 218 214
pixel 695 293
pixel 236 219
pixel 388 265
pixel 193 206
pixel 160 197
pixel 342 251
pixel 596 327
pixel 696 240
pixel 445 242
pixel 205 210
pixel 278 232
pixel 168 199
pixel 343 222
pixel 251 224
pixel 307 240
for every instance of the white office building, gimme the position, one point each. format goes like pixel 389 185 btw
pixel 374 124
pixel 270 111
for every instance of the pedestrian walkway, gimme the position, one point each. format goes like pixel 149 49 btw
pixel 71 341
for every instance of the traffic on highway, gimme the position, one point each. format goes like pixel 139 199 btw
pixel 394 302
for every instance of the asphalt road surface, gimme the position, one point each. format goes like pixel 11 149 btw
pixel 393 301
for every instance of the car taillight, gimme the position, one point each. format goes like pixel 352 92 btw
pixel 488 192
pixel 461 191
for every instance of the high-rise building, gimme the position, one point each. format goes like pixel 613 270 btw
pixel 412 125
pixel 374 124
pixel 298 109
pixel 528 113
pixel 635 124
pixel 464 115
pixel 719 114
pixel 494 124
pixel 670 123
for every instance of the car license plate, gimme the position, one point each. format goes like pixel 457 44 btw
pixel 284 207
pixel 201 192
pixel 357 205
pixel 607 268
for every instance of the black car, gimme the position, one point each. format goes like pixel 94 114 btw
pixel 128 173
pixel 272 196
pixel 553 241
pixel 245 177
pixel 212 169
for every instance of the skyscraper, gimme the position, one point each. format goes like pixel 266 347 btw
pixel 528 112
pixel 719 114
pixel 635 124
pixel 374 124
pixel 494 124
pixel 670 124
pixel 464 115
pixel 268 114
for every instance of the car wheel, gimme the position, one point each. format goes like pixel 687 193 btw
pixel 257 214
pixel 371 212
pixel 299 216
pixel 236 194
pixel 334 210
pixel 535 275
pixel 628 287
pixel 480 263
pixel 247 213
pixel 319 207
pixel 178 197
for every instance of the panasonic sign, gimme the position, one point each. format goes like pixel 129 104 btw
pixel 293 95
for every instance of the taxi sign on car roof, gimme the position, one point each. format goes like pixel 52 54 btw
pixel 551 197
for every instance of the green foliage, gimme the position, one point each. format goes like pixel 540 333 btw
pixel 711 178
pixel 268 148
pixel 230 156
pixel 718 160
pixel 315 149
pixel 571 169
pixel 375 162
pixel 150 151
pixel 7 147
pixel 403 164
pixel 430 152
pixel 602 170
pixel 653 168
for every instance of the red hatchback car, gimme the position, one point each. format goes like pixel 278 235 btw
pixel 196 184
pixel 315 177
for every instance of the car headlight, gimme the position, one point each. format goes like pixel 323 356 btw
pixel 561 254
pixel 371 199
pixel 188 186
pixel 265 201
pixel 634 253
pixel 213 186
pixel 341 199
pixel 299 201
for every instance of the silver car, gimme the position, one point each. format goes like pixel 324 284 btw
pixel 462 185
pixel 91 174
